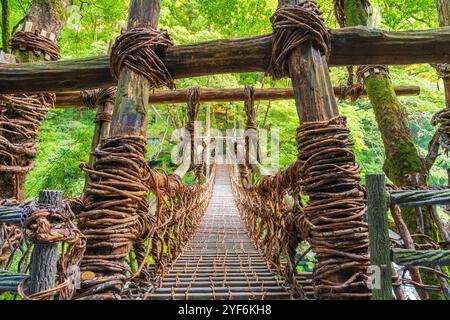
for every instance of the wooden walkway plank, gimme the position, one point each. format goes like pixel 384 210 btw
pixel 220 262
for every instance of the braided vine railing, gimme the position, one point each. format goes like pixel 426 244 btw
pixel 179 209
pixel 270 211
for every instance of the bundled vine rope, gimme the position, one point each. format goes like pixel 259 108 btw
pixel 14 246
pixel 270 220
pixel 20 118
pixel 36 43
pixel 180 208
pixel 21 114
pixel 115 214
pixel 46 224
pixel 93 99
pixel 355 90
pixel 294 25
pixel 442 118
pixel 138 49
pixel 333 217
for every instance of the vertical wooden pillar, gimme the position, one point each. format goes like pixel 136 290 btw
pixel 101 132
pixel 129 122
pixel 379 237
pixel 313 91
pixel 133 90
pixel 102 129
pixel 208 140
pixel 45 256
pixel 314 95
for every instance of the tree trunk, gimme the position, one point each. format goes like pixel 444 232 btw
pixel 45 15
pixel 402 156
pixel 6 30
pixel 443 7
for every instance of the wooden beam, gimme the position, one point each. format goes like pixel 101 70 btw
pixel 379 237
pixel 350 46
pixel 420 198
pixel 424 258
pixel 10 281
pixel 72 99
pixel 133 90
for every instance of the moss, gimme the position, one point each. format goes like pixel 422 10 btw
pixel 355 14
pixel 57 9
pixel 402 156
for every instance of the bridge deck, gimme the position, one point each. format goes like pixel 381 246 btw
pixel 220 262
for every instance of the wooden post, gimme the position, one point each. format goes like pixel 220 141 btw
pixel 379 235
pixel 313 92
pixel 101 132
pixel 314 97
pixel 208 140
pixel 133 90
pixel 45 256
pixel 129 120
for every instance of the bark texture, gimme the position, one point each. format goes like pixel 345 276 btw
pixel 6 31
pixel 402 156
pixel 351 46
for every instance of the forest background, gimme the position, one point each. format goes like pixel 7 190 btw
pixel 65 135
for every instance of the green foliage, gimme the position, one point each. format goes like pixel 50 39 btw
pixel 64 142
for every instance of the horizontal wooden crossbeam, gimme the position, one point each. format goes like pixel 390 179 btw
pixel 11 215
pixel 420 198
pixel 425 258
pixel 350 46
pixel 73 99
pixel 10 281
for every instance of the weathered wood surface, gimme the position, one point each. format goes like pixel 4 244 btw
pixel 133 90
pixel 379 235
pixel 101 132
pixel 420 198
pixel 71 99
pixel 313 91
pixel 9 281
pixel 45 256
pixel 425 258
pixel 11 215
pixel 350 46
pixel 409 244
